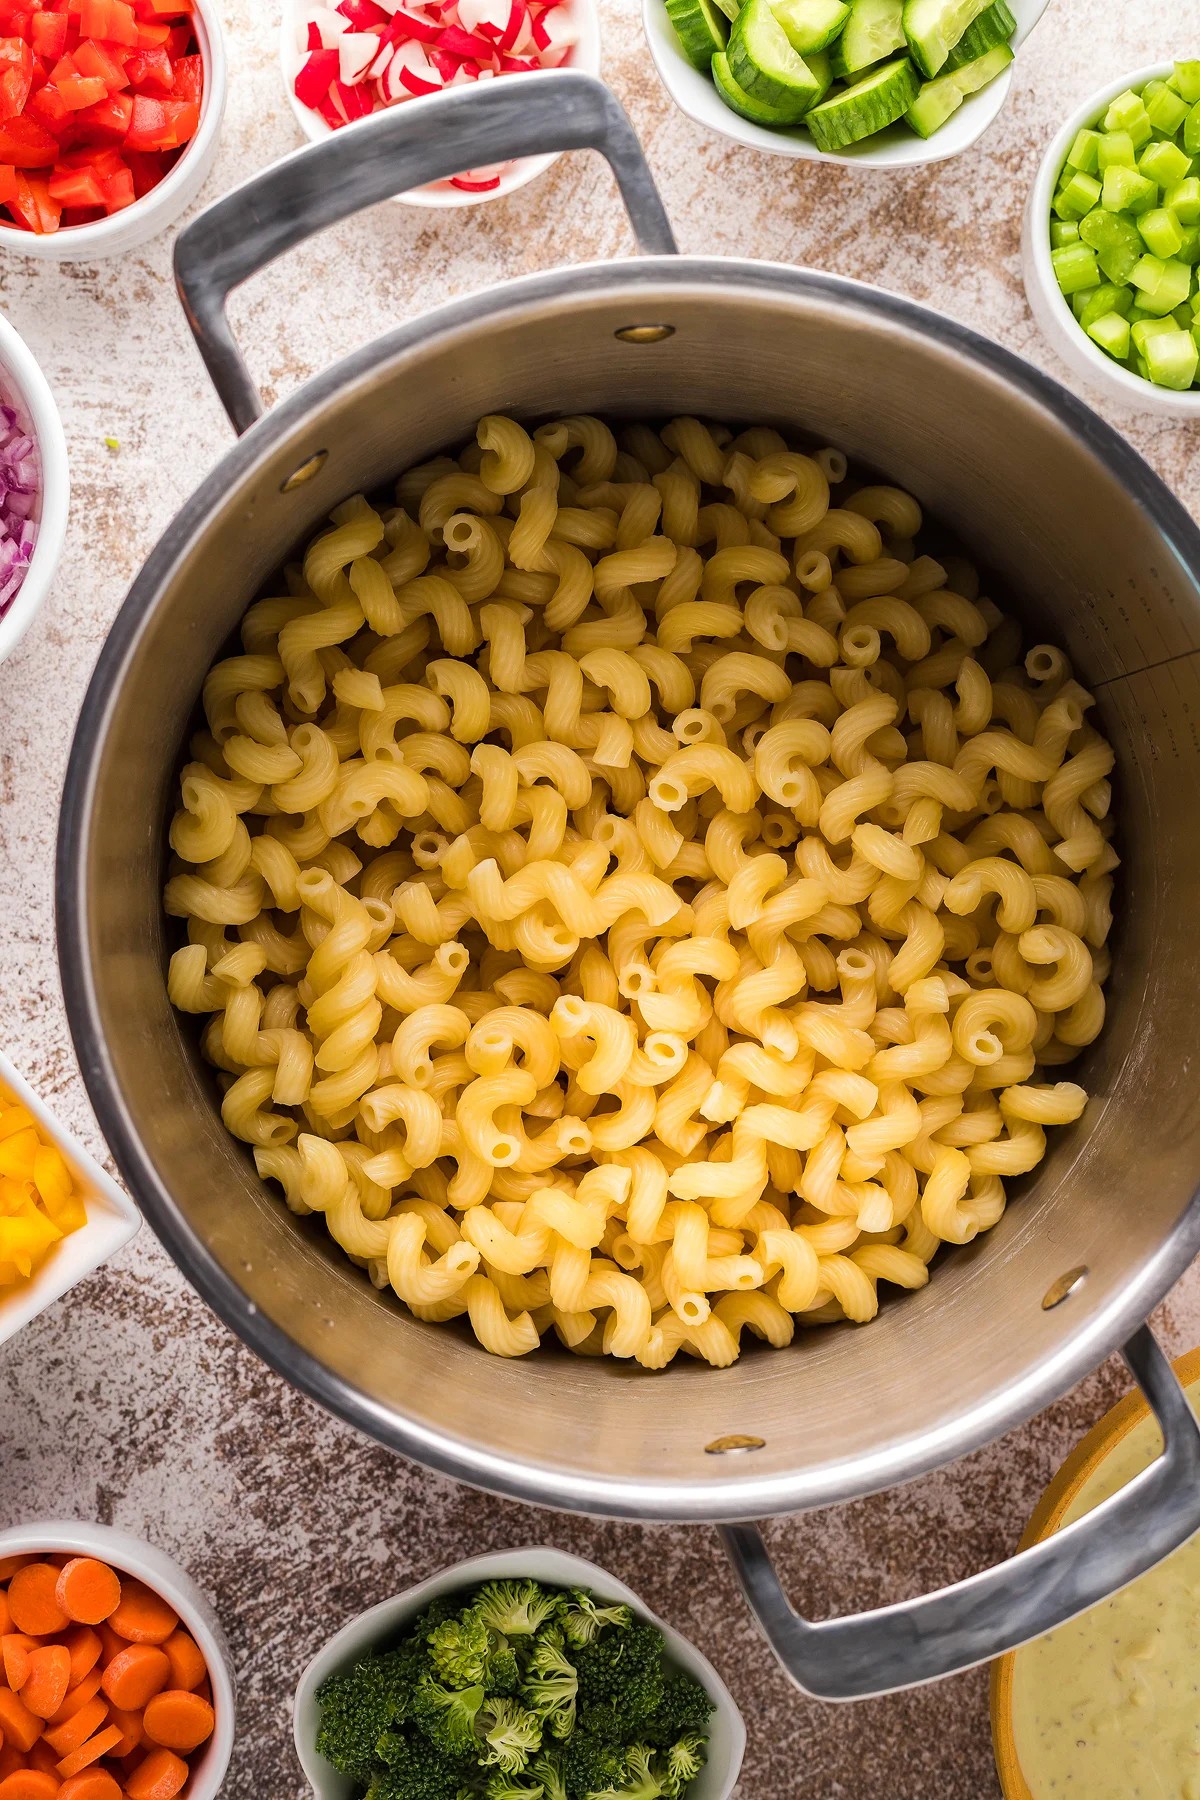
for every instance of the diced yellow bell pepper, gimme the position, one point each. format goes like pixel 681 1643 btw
pixel 17 1154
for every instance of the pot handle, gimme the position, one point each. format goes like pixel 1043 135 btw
pixel 941 1634
pixel 404 147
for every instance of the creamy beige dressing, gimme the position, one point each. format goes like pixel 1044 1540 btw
pixel 1108 1706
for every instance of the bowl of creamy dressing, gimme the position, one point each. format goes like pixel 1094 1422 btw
pixel 1108 1706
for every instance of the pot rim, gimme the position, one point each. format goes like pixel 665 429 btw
pixel 721 1498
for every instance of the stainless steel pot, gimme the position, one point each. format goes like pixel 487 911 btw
pixel 1080 534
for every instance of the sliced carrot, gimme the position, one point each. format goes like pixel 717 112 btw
pixel 132 1733
pixel 42 1757
pixel 78 1697
pixel 29 1784
pixel 10 1564
pixel 10 1760
pixel 6 1623
pixel 77 1730
pixel 32 1602
pixel 93 1784
pixel 85 1648
pixel 135 1675
pixel 110 1644
pixel 16 1649
pixel 88 1753
pixel 88 1590
pixel 188 1667
pixel 21 1728
pixel 142 1616
pixel 179 1721
pixel 49 1678
pixel 160 1777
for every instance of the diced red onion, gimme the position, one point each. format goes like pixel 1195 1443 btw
pixel 20 483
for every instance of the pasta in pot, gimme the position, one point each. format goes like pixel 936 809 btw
pixel 632 892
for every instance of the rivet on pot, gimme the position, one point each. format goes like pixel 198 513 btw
pixel 644 334
pixel 1066 1284
pixel 305 472
pixel 734 1445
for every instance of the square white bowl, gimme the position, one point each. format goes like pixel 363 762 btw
pixel 896 148
pixel 112 1219
pixel 555 1568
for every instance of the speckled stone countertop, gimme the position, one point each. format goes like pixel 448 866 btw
pixel 128 1402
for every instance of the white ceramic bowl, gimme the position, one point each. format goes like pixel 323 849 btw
pixel 159 208
pixel 29 392
pixel 158 1571
pixel 896 148
pixel 585 55
pixel 112 1219
pixel 1101 375
pixel 727 1734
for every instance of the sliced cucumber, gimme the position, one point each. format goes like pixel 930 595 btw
pixel 765 66
pixel 876 101
pixel 821 71
pixel 739 101
pixel 933 27
pixel 700 28
pixel 810 24
pixel 995 26
pixel 942 97
pixel 873 30
pixel 731 8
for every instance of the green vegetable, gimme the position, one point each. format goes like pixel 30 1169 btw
pixel 1114 151
pixel 1163 283
pixel 1128 113
pixel 1126 191
pixel 1191 131
pixel 515 1608
pixel 812 24
pixel 1085 151
pixel 1112 333
pixel 358 1706
pixel 510 1734
pixel 1160 231
pixel 1164 163
pixel 994 26
pixel 874 30
pixel 1063 231
pixel 1105 299
pixel 1075 267
pixel 943 96
pixel 583 1618
pixel 739 101
pixel 640 1779
pixel 447 1715
pixel 1117 242
pixel 1165 110
pixel 933 27
pixel 1077 195
pixel 1184 200
pixel 879 99
pixel 1172 359
pixel 551 1684
pixel 700 28
pixel 1187 81
pixel 764 65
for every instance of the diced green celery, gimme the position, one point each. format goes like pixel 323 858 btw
pixel 1184 200
pixel 1083 152
pixel 1136 314
pixel 1116 240
pixel 1115 151
pixel 1075 268
pixel 1144 329
pixel 1112 334
pixel 1078 195
pixel 1194 303
pixel 1187 81
pixel 1183 316
pixel 1196 335
pixel 1063 231
pixel 1162 283
pixel 1138 365
pixel 1189 250
pixel 1165 110
pixel 1078 302
pixel 1160 231
pixel 1172 359
pixel 1127 107
pixel 1126 191
pixel 1191 131
pixel 1104 299
pixel 1164 163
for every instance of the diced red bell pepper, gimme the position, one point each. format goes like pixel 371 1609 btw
pixel 91 58
pixel 110 20
pixel 32 205
pixel 15 16
pixel 146 167
pixel 161 124
pixel 80 91
pixel 316 77
pixel 180 39
pixel 48 31
pixel 75 187
pixel 163 9
pixel 119 191
pixel 153 37
pixel 45 106
pixel 8 183
pixel 26 144
pixel 108 121
pixel 16 76
pixel 151 71
pixel 189 78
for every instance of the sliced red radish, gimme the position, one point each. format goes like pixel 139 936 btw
pixel 357 50
pixel 362 14
pixel 407 24
pixel 465 45
pixel 475 181
pixel 410 72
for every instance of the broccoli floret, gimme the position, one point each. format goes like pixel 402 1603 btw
pixel 514 1787
pixel 550 1770
pixel 551 1684
pixel 502 1674
pixel 640 1780
pixel 447 1715
pixel 440 1608
pixel 685 1759
pixel 515 1608
pixel 510 1735
pixel 583 1617
pixel 358 1705
pixel 685 1709
pixel 416 1770
pixel 590 1763
pixel 621 1678
pixel 459 1648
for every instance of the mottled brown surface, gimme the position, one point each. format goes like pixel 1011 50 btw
pixel 128 1401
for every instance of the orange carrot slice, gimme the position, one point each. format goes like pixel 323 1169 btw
pixel 85 1648
pixel 6 1623
pixel 29 1784
pixel 87 1590
pixel 179 1721
pixel 142 1616
pixel 110 1644
pixel 10 1564
pixel 92 1784
pixel 10 1759
pixel 88 1753
pixel 15 1649
pixel 49 1678
pixel 188 1667
pixel 135 1675
pixel 160 1777
pixel 77 1730
pixel 32 1601
pixel 42 1757
pixel 78 1697
pixel 132 1732
pixel 21 1728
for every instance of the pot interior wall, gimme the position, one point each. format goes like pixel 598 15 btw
pixel 843 1410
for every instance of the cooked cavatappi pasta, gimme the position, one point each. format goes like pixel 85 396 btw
pixel 635 893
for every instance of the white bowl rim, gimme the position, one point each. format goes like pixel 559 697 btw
pixel 1131 388
pixel 147 1563
pixel 566 1569
pixel 97 238
pixel 35 395
pixel 902 152
pixel 585 56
